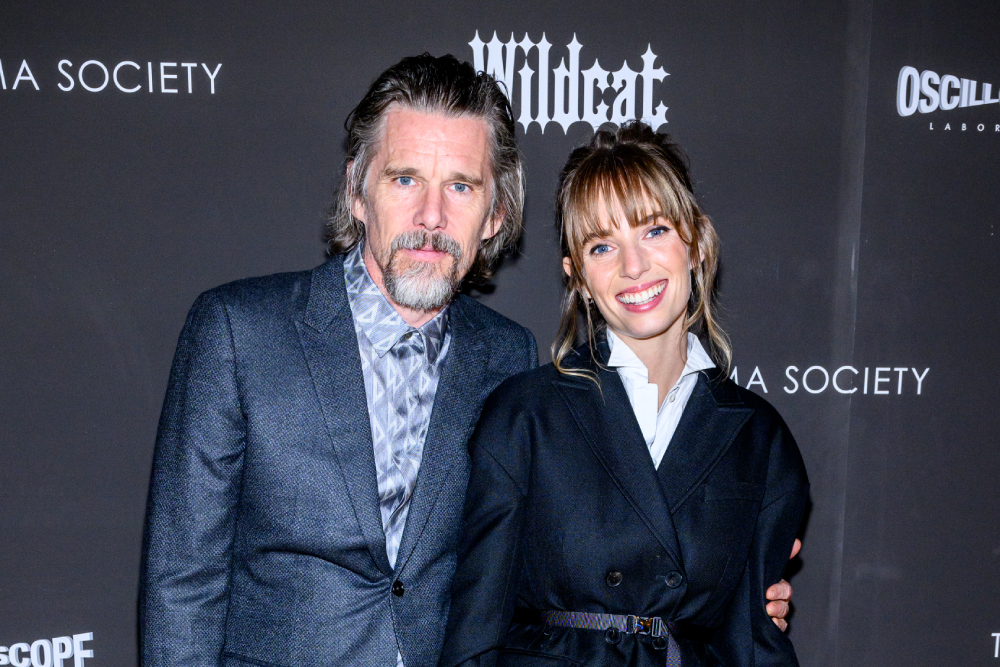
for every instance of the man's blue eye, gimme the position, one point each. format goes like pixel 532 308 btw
pixel 461 187
pixel 405 180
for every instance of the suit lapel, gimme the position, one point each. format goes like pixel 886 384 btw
pixel 608 425
pixel 456 409
pixel 708 426
pixel 331 349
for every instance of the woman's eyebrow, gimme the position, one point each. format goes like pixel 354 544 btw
pixel 595 234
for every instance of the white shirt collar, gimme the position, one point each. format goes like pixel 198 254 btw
pixel 622 356
pixel 657 421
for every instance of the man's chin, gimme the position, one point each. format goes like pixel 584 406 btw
pixel 425 293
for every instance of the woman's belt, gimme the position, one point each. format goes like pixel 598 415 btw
pixel 612 625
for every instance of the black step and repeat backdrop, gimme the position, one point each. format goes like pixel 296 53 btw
pixel 847 151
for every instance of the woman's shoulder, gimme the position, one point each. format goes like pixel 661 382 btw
pixel 539 392
pixel 523 387
pixel 768 430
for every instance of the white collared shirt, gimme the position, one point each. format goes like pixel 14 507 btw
pixel 657 423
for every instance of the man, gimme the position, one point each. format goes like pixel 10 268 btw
pixel 311 461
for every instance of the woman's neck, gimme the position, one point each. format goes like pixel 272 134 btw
pixel 664 357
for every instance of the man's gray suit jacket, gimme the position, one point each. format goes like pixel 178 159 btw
pixel 264 542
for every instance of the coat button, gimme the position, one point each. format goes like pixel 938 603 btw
pixel 613 635
pixel 613 579
pixel 659 643
pixel 397 588
pixel 673 579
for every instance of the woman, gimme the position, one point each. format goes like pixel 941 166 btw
pixel 628 504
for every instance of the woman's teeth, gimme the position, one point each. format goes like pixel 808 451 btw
pixel 645 296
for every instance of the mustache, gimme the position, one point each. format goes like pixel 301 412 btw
pixel 419 238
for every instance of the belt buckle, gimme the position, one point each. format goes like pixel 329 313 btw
pixel 639 625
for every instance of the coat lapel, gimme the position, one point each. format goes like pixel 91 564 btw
pixel 331 349
pixel 607 422
pixel 456 408
pixel 708 426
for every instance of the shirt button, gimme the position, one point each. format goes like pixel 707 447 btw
pixel 613 579
pixel 397 588
pixel 672 396
pixel 673 579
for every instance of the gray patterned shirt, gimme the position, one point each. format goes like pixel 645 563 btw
pixel 401 366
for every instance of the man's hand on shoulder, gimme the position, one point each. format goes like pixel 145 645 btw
pixel 780 596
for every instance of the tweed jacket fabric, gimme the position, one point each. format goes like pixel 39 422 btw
pixel 264 543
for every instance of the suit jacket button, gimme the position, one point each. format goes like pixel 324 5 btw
pixel 613 579
pixel 397 588
pixel 673 579
pixel 613 635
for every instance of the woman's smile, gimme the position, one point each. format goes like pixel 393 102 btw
pixel 641 298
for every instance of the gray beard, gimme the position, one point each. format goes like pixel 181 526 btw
pixel 422 285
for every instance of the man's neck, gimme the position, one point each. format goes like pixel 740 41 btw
pixel 415 318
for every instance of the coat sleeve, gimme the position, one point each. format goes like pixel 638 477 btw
pixel 194 489
pixel 484 589
pixel 748 636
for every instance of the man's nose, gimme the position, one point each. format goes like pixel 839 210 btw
pixel 431 213
pixel 634 261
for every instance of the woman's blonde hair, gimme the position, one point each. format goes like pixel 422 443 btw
pixel 628 171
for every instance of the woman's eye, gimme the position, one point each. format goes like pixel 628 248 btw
pixel 600 249
pixel 657 231
pixel 405 180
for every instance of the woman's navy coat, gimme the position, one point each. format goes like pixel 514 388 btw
pixel 563 493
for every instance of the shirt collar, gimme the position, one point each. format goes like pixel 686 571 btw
pixel 622 356
pixel 375 317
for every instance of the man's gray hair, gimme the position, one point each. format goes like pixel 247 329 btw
pixel 439 85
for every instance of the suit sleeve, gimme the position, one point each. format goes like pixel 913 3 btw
pixel 194 489
pixel 484 589
pixel 748 635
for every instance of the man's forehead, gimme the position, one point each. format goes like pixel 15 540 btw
pixel 411 132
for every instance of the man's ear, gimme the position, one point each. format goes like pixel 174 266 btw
pixel 492 226
pixel 357 206
pixel 358 209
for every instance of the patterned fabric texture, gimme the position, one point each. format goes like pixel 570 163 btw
pixel 401 367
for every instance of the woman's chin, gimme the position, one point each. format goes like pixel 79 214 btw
pixel 641 332
pixel 644 326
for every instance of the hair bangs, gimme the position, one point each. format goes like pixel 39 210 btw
pixel 625 189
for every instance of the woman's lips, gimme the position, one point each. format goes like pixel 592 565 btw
pixel 641 298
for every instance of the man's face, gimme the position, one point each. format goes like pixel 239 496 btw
pixel 428 202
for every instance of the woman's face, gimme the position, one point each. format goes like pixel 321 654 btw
pixel 639 277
